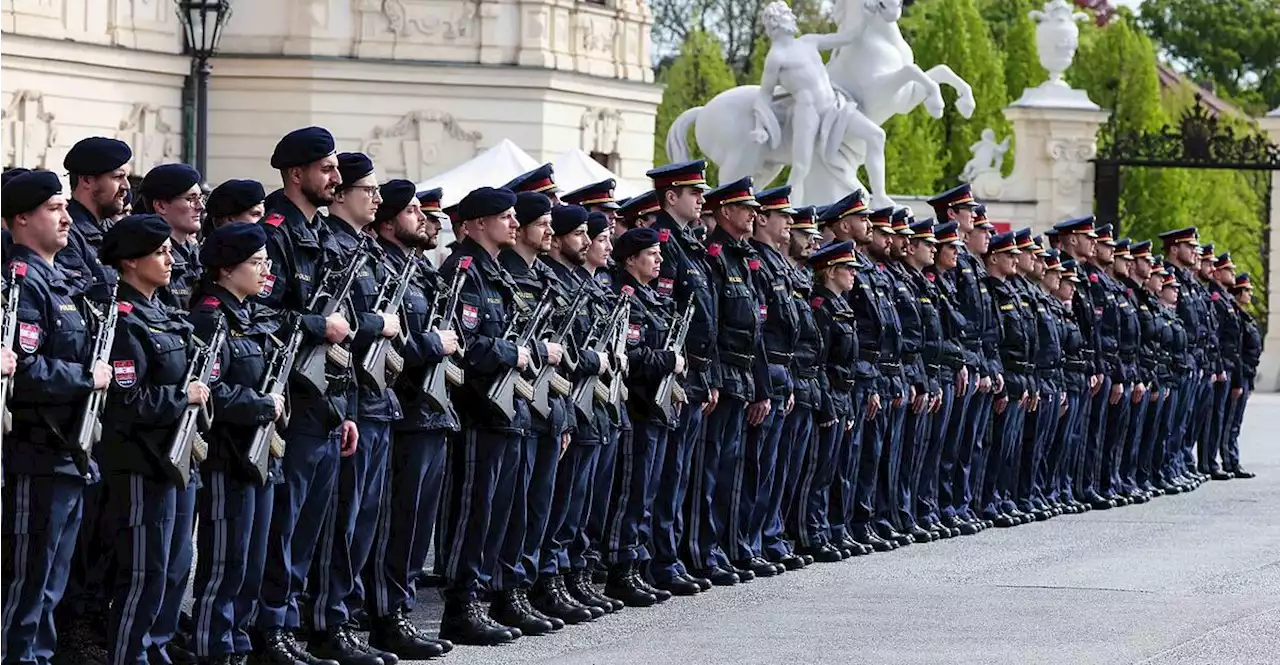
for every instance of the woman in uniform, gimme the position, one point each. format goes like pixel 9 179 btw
pixel 148 394
pixel 234 506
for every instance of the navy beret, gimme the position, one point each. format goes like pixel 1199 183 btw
pixel 633 242
pixel 566 219
pixel 485 202
pixel 232 244
pixel 353 166
pixel 301 147
pixel 234 197
pixel 133 237
pixel 97 155
pixel 396 195
pixel 168 181
pixel 530 206
pixel 12 173
pixel 597 223
pixel 28 191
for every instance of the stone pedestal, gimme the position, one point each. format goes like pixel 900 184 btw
pixel 1052 149
pixel 1269 369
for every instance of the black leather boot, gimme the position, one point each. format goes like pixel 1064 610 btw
pixel 579 586
pixel 396 634
pixel 622 584
pixel 467 623
pixel 339 645
pixel 507 610
pixel 546 598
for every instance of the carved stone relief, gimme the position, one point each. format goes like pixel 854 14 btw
pixel 1071 173
pixel 153 140
pixel 595 34
pixel 431 21
pixel 601 130
pixel 420 144
pixel 29 130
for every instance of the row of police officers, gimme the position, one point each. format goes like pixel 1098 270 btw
pixel 279 401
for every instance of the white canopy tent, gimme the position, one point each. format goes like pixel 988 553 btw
pixel 492 168
pixel 575 168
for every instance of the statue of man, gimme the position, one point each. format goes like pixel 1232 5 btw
pixel 820 116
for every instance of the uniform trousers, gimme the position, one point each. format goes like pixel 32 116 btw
pixel 841 480
pixel 1147 465
pixel 1094 444
pixel 1216 428
pixel 953 471
pixel 39 525
pixel 569 506
pixel 481 488
pixel 601 487
pixel 1064 447
pixel 764 459
pixel 814 498
pixel 872 444
pixel 1038 431
pixel 405 522
pixel 541 467
pixel 890 462
pixel 668 521
pixel 1114 440
pixel 234 517
pixel 1132 446
pixel 637 462
pixel 714 500
pixel 972 452
pixel 1231 440
pixel 1000 459
pixel 928 467
pixel 797 437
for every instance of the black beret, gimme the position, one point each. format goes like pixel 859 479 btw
pixel 133 237
pixel 12 173
pixel 97 155
pixel 28 191
pixel 301 147
pixel 396 195
pixel 566 219
pixel 530 206
pixel 597 223
pixel 485 202
pixel 633 242
pixel 168 181
pixel 232 244
pixel 353 166
pixel 234 197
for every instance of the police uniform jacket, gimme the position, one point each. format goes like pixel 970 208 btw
pixel 1193 309
pixel 148 392
pixel 185 276
pixel 781 326
pixel 648 362
pixel 239 407
pixel 838 322
pixel 1108 301
pixel 1048 334
pixel 735 269
pixel 531 284
pixel 296 248
pixel 807 368
pixel 1250 351
pixel 1149 327
pixel 1230 328
pixel 685 276
pixel 586 361
pixel 374 404
pixel 422 348
pixel 487 301
pixel 888 344
pixel 1170 365
pixel 969 277
pixel 1017 337
pixel 957 348
pixel 54 373
pixel 1076 369
pixel 921 328
pixel 80 257
pixel 871 310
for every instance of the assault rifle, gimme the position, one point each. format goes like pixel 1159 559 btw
pixel 89 430
pixel 522 333
pixel 187 442
pixel 669 392
pixel 267 442
pixel 548 379
pixel 443 315
pixel 373 368
pixel 311 364
pixel 589 389
pixel 9 331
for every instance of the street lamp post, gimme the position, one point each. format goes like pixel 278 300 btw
pixel 202 22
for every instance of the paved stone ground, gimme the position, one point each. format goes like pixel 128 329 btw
pixel 1184 580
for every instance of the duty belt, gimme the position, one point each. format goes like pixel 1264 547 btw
pixel 1075 366
pixel 869 355
pixel 807 372
pixel 1018 367
pixel 891 369
pixel 778 358
pixel 909 358
pixel 736 359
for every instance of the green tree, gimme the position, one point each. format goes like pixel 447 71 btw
pixel 1232 44
pixel 1014 35
pixel 694 77
pixel 911 153
pixel 953 32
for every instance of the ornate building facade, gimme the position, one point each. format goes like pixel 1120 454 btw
pixel 420 85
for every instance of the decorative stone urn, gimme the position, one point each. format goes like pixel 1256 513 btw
pixel 1057 37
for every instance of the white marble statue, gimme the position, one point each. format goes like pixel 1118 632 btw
pixel 988 156
pixel 1057 37
pixel 826 122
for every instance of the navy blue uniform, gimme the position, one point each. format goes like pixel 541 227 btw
pixel 1230 338
pixel 234 508
pixel 974 303
pixel 853 495
pixel 1247 371
pixel 185 276
pixel 879 469
pixel 921 329
pixel 43 489
pixel 998 473
pixel 151 517
pixel 1064 451
pixel 80 257
pixel 1042 424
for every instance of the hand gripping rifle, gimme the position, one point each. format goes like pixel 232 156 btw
pixel 522 333
pixel 187 444
pixel 548 379
pixel 9 331
pixel 311 364
pixel 373 367
pixel 267 442
pixel 589 389
pixel 669 393
pixel 446 372
pixel 89 430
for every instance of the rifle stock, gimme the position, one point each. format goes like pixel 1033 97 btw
pixel 187 442
pixel 435 384
pixel 548 379
pixel 89 428
pixel 310 368
pixel 373 367
pixel 9 332
pixel 502 393
pixel 267 442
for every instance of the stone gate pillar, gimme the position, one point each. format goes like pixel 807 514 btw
pixel 1269 369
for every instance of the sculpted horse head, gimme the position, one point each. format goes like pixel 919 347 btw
pixel 860 11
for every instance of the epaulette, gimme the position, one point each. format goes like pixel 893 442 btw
pixel 124 307
pixel 210 301
pixel 273 220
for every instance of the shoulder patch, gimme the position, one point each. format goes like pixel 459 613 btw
pixel 714 249
pixel 124 372
pixel 273 220
pixel 19 268
pixel 124 307
pixel 664 235
pixel 28 337
pixel 816 302
pixel 210 301
pixel 464 263
pixel 753 264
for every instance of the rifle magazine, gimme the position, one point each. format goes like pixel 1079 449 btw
pixel 453 374
pixel 199 448
pixel 338 356
pixel 277 445
pixel 560 385
pixel 523 388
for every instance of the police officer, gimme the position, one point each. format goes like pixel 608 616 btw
pixel 1128 333
pixel 638 211
pixel 418 441
pixel 321 426
pixel 716 542
pixel 853 488
pixel 234 506
pixel 482 467
pixel 1242 381
pixel 234 201
pixel 1059 283
pixel 685 277
pixel 1045 410
pixel 981 373
pixel 43 489
pixel 173 192
pixel 539 181
pixel 1214 397
pixel 595 197
pixel 1230 333
pixel 1193 307
pixel 147 397
pixel 348 535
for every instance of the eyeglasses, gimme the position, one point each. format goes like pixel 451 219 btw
pixel 371 190
pixel 263 265
pixel 195 200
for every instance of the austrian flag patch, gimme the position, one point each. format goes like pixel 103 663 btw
pixel 470 316
pixel 665 286
pixel 125 373
pixel 28 337
pixel 633 332
pixel 268 283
